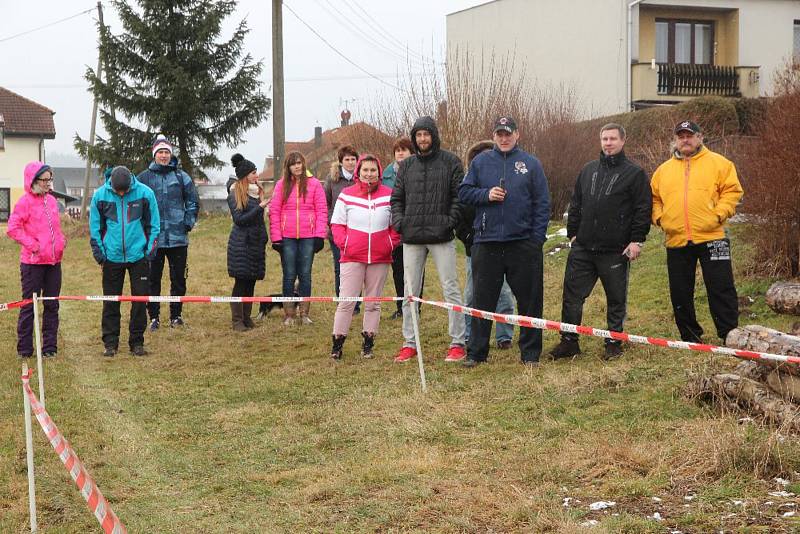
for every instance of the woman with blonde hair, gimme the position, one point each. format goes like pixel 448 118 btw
pixel 248 239
pixel 298 221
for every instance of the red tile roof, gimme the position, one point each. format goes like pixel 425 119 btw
pixel 25 117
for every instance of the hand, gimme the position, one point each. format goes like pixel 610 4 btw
pixel 632 251
pixel 571 241
pixel 497 194
pixel 319 244
pixel 277 246
pixel 264 203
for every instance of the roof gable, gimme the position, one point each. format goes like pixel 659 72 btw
pixel 25 117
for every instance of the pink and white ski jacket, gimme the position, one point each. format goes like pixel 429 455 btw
pixel 35 223
pixel 298 217
pixel 362 224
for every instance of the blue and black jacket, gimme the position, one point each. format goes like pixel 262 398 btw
pixel 524 213
pixel 176 196
pixel 123 229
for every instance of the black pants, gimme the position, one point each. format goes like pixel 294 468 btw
pixel 583 269
pixel 113 280
pixel 397 277
pixel 243 287
pixel 521 264
pixel 178 271
pixel 46 281
pixel 715 262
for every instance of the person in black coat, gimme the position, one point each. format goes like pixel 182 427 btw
pixel 248 239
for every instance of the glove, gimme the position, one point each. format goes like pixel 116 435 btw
pixel 319 244
pixel 99 258
pixel 277 246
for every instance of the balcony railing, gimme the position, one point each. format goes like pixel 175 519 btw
pixel 697 80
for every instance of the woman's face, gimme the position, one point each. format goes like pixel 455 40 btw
pixel 400 154
pixel 368 172
pixel 349 163
pixel 45 182
pixel 296 169
pixel 252 178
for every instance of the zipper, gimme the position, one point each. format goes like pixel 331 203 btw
pixel 369 228
pixel 124 216
pixel 50 225
pixel 686 200
pixel 297 210
pixel 502 204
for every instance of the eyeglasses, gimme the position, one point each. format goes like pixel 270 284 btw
pixel 45 179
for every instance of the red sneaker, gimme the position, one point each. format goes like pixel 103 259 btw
pixel 405 354
pixel 455 353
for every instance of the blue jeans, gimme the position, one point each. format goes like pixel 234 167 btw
pixel 297 257
pixel 505 305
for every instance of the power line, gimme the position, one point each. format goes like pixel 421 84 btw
pixel 45 26
pixel 343 56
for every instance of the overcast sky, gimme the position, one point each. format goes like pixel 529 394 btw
pixel 48 65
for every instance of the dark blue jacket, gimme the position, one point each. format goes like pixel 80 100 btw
pixel 177 202
pixel 123 229
pixel 524 213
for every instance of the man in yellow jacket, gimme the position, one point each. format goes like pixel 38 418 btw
pixel 694 193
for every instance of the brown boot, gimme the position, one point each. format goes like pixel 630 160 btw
pixel 288 313
pixel 304 319
pixel 247 309
pixel 237 317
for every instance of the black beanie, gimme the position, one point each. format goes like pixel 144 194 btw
pixel 243 166
pixel 120 179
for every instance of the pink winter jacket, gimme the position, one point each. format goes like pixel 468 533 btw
pixel 298 220
pixel 362 224
pixel 35 224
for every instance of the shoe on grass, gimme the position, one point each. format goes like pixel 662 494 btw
pixel 138 350
pixel 470 363
pixel 154 324
pixel 110 352
pixel 456 353
pixel 567 348
pixel 50 354
pixel 405 354
pixel 612 351
pixel 176 322
pixel 504 344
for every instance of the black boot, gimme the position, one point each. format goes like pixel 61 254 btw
pixel 336 350
pixel 247 309
pixel 566 349
pixel 368 345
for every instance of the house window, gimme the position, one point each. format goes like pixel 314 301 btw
pixel 685 41
pixel 796 50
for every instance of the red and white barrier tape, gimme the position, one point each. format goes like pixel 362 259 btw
pixel 98 504
pixel 5 306
pixel 544 324
pixel 145 298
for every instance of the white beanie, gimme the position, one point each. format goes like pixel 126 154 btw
pixel 160 144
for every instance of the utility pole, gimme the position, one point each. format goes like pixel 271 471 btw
pixel 278 117
pixel 88 173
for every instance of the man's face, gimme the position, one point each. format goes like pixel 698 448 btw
pixel 400 154
pixel 163 156
pixel 424 140
pixel 505 141
pixel 349 163
pixel 687 142
pixel 611 142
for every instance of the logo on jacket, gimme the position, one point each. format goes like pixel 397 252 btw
pixel 520 168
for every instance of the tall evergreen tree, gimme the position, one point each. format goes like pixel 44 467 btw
pixel 169 73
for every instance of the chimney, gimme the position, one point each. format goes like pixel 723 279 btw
pixel 345 115
pixel 317 136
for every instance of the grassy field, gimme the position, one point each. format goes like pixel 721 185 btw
pixel 262 432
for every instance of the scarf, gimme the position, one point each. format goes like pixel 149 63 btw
pixel 254 191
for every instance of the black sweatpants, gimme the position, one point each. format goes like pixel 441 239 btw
pixel 113 281
pixel 584 267
pixel 178 272
pixel 715 262
pixel 521 263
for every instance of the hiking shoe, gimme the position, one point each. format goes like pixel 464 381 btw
pixel 50 354
pixel 110 352
pixel 505 344
pixel 567 348
pixel 397 315
pixel 177 321
pixel 405 354
pixel 138 350
pixel 530 364
pixel 613 351
pixel 154 324
pixel 336 349
pixel 25 355
pixel 368 345
pixel 469 363
pixel 456 353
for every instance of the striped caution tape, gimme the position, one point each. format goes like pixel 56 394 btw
pixel 185 299
pixel 98 504
pixel 5 306
pixel 544 324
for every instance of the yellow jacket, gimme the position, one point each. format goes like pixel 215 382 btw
pixel 692 198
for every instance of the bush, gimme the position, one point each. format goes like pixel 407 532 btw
pixel 751 111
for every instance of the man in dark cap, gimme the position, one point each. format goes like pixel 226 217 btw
pixel 124 225
pixel 694 193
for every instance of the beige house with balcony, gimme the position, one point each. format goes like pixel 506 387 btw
pixel 622 54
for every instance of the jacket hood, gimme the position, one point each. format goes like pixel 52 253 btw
pixel 364 186
pixel 33 170
pixel 426 123
pixel 164 169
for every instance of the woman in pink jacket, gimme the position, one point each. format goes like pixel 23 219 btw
pixel 298 224
pixel 362 229
pixel 35 225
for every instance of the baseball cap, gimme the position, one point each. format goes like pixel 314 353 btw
pixel 505 123
pixel 687 126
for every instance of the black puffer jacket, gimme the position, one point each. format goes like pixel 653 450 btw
pixel 247 241
pixel 611 205
pixel 425 207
